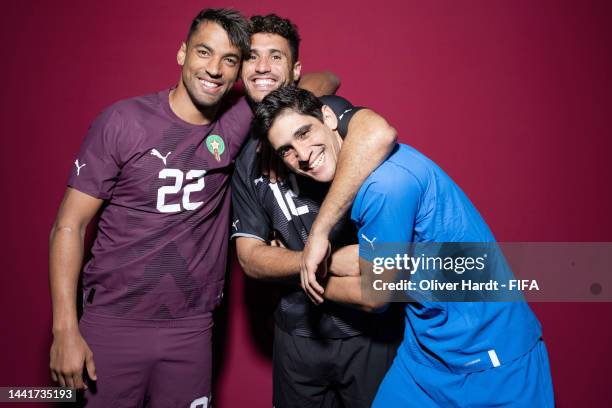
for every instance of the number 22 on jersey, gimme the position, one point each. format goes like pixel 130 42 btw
pixel 178 176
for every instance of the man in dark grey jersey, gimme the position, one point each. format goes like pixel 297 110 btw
pixel 322 355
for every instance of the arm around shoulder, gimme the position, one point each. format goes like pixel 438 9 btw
pixel 320 83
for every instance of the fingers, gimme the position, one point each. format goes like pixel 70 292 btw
pixel 67 368
pixel 311 286
pixel 61 380
pixel 315 256
pixel 69 380
pixel 277 243
pixel 90 366
pixel 315 289
pixel 77 380
pixel 304 282
pixel 319 271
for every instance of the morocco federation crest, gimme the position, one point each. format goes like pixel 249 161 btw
pixel 216 146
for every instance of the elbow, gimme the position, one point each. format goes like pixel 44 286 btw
pixel 392 135
pixel 66 227
pixel 246 265
pixel 334 80
pixel 389 137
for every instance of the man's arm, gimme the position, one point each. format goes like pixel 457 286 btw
pixel 368 142
pixel 347 290
pixel 69 351
pixel 320 83
pixel 260 260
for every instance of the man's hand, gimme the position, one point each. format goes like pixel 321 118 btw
pixel 69 353
pixel 345 261
pixel 314 264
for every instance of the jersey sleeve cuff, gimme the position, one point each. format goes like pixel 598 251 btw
pixel 245 235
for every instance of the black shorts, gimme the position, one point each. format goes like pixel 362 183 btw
pixel 311 372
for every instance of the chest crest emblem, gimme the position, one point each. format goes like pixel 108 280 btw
pixel 216 146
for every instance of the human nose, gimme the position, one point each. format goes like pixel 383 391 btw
pixel 214 68
pixel 302 154
pixel 262 65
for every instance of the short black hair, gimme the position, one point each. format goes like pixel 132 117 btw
pixel 273 24
pixel 287 97
pixel 237 27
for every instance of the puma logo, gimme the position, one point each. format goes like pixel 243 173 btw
pixel 79 167
pixel 259 180
pixel 343 113
pixel 235 224
pixel 157 154
pixel 371 242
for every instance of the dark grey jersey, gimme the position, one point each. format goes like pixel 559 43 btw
pixel 289 209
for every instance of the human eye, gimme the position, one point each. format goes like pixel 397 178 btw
pixel 203 52
pixel 231 61
pixel 284 152
pixel 303 134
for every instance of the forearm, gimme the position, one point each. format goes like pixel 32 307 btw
pixel 65 260
pixel 320 83
pixel 369 141
pixel 347 290
pixel 270 262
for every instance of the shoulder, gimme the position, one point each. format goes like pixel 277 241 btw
pixel 392 184
pixel 396 174
pixel 137 104
pixel 234 107
pixel 247 161
pixel 128 110
pixel 339 105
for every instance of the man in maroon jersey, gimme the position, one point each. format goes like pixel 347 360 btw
pixel 159 167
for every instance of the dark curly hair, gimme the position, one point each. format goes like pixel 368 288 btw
pixel 273 24
pixel 287 97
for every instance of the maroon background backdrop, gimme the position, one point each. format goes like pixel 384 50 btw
pixel 511 98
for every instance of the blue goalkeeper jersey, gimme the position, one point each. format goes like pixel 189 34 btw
pixel 410 199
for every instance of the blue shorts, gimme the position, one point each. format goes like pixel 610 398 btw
pixel 525 382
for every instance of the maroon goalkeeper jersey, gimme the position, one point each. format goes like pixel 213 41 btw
pixel 161 245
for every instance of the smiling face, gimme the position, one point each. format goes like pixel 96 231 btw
pixel 307 146
pixel 269 66
pixel 210 65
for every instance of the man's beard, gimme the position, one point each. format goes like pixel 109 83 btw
pixel 202 106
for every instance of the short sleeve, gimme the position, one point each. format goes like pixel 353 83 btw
pixel 237 123
pixel 98 164
pixel 343 109
pixel 386 206
pixel 250 219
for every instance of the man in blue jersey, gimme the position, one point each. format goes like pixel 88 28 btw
pixel 477 354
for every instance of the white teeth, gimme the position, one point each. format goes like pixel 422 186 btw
pixel 208 84
pixel 317 162
pixel 264 82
